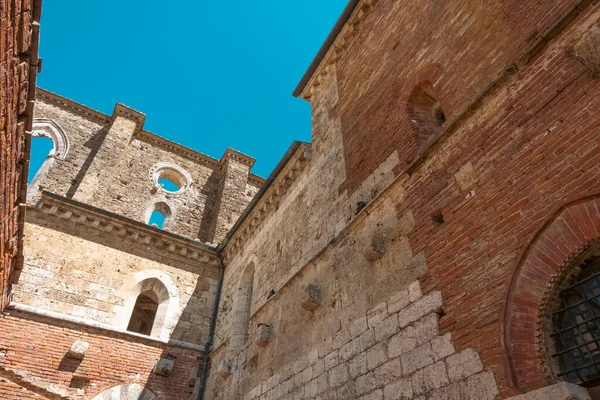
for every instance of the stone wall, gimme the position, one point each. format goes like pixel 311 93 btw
pixel 520 141
pixel 33 353
pixel 18 67
pixel 80 271
pixel 111 163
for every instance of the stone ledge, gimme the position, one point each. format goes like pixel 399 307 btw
pixel 113 224
pixel 99 325
pixel 559 391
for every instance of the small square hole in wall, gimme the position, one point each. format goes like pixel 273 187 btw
pixel 437 218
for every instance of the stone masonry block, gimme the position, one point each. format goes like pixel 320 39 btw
pixel 398 390
pixel 416 359
pixel 426 328
pixel 365 383
pixel 398 301
pixel 78 350
pixel 427 304
pixel 463 365
pixel 389 372
pixel 311 297
pixel 402 342
pixel 482 386
pixel 338 375
pixel 414 291
pixel 164 367
pixel 376 356
pixel 224 368
pixel 263 334
pixel 442 346
pixel 386 328
pixel 559 391
pixel 429 378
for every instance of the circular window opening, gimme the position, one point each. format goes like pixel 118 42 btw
pixel 169 183
pixel 170 178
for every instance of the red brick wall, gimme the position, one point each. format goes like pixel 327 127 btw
pixel 35 347
pixel 461 47
pixel 16 34
pixel 531 131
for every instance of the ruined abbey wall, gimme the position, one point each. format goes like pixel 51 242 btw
pixel 112 164
pixel 18 67
pixel 409 298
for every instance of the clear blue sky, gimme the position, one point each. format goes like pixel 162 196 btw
pixel 209 75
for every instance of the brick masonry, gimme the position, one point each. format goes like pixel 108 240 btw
pixel 457 211
pixel 18 65
pixel 34 350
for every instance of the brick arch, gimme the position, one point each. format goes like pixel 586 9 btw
pixel 563 237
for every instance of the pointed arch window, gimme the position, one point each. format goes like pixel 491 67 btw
pixel 425 113
pixel 150 309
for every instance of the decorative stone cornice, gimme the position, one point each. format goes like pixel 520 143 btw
pixel 177 148
pixel 256 180
pixel 124 228
pixel 363 9
pixel 68 104
pixel 269 201
pixel 121 110
pixel 231 154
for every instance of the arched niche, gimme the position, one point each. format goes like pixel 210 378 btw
pixel 165 293
pixel 131 391
pixel 242 305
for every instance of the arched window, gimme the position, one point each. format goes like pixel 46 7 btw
pixel 425 113
pixel 48 142
pixel 159 215
pixel 575 331
pixel 241 309
pixel 41 148
pixel 144 313
pixel 150 308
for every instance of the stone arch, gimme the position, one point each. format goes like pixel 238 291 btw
pixel 162 206
pixel 242 306
pixel 167 296
pixel 571 230
pixel 51 129
pixel 43 127
pixel 131 391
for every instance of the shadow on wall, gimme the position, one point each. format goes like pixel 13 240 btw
pixel 209 207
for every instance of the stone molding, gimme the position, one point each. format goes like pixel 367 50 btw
pixel 121 110
pixel 269 202
pixel 51 129
pixel 362 10
pixel 87 322
pixel 70 105
pixel 231 154
pixel 113 224
pixel 256 180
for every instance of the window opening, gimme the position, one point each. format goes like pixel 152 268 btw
pixel 160 215
pixel 576 326
pixel 425 113
pixel 157 219
pixel 169 185
pixel 144 313
pixel 41 148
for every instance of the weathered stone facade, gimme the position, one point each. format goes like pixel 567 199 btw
pixel 90 256
pixel 446 137
pixel 19 30
pixel 418 248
